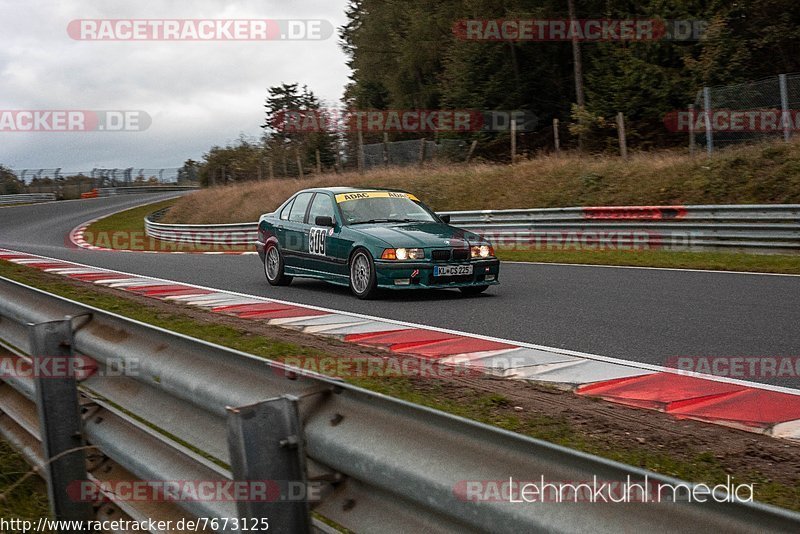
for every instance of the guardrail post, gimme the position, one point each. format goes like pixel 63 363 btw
pixel 266 446
pixel 59 417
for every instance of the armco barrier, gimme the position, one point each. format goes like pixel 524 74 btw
pixel 188 410
pixel 135 190
pixel 26 198
pixel 751 228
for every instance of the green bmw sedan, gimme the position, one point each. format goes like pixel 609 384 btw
pixel 371 239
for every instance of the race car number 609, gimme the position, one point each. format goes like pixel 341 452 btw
pixel 316 241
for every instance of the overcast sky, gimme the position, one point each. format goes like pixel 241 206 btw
pixel 198 93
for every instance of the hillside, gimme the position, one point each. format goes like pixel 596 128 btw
pixel 768 173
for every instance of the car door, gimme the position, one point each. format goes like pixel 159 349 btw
pixel 279 226
pixel 323 240
pixel 296 232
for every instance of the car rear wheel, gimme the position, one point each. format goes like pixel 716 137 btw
pixel 473 290
pixel 273 267
pixel 363 281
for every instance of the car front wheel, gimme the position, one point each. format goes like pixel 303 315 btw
pixel 363 280
pixel 273 267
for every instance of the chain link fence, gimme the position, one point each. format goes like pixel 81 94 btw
pixel 753 111
pixel 71 184
pixel 415 151
pixel 109 177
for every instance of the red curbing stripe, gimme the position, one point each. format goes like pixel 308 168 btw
pixel 357 338
pixel 161 293
pixel 659 391
pixel 751 407
pixel 586 388
pixel 393 337
pixel 257 307
pixel 450 347
pixel 155 290
pixel 285 313
pixel 94 277
pixel 48 265
pixel 142 288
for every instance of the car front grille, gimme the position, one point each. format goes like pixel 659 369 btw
pixel 456 254
pixel 460 254
pixel 440 255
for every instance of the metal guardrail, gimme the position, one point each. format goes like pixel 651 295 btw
pixel 111 191
pixel 236 234
pixel 26 198
pixel 194 411
pixel 752 228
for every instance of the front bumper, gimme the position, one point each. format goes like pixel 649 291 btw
pixel 415 275
pixel 261 248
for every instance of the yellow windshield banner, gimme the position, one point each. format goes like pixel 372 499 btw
pixel 346 197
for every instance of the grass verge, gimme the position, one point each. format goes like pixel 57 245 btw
pixel 490 407
pixel 762 174
pixel 26 502
pixel 125 231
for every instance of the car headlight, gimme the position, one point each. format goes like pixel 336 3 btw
pixel 481 251
pixel 403 254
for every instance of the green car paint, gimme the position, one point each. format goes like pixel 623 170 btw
pixel 351 236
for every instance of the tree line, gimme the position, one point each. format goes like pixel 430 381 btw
pixel 412 54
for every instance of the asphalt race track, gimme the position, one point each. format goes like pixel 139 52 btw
pixel 646 315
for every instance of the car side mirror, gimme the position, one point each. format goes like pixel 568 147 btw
pixel 324 220
pixel 445 218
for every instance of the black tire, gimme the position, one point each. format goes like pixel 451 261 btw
pixel 363 279
pixel 274 272
pixel 473 290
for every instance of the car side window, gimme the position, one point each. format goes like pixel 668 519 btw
pixel 322 206
pixel 286 209
pixel 298 213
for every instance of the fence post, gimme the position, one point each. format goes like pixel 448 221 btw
pixel 360 155
pixel 692 142
pixel 422 147
pixel 623 141
pixel 271 169
pixel 265 441
pixel 471 150
pixel 385 149
pixel 513 141
pixel 707 110
pixel 556 138
pixel 60 422
pixel 299 163
pixel 785 116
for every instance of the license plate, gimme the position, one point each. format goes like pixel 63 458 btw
pixel 452 270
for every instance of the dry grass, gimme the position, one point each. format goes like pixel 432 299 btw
pixel 768 173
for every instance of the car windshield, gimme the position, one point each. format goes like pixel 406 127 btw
pixel 376 207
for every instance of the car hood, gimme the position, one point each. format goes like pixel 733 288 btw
pixel 418 235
